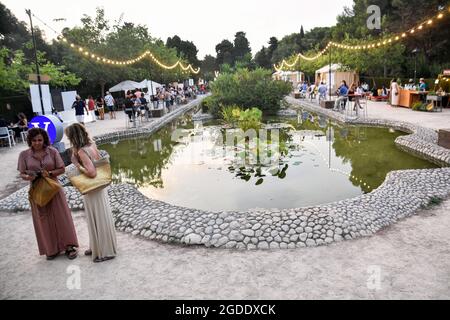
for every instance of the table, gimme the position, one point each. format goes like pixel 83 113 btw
pixel 409 97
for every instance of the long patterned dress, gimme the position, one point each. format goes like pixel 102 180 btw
pixel 53 223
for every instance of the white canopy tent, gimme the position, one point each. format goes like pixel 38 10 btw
pixel 125 85
pixel 151 85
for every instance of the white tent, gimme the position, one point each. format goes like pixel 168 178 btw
pixel 334 67
pixel 150 84
pixel 338 74
pixel 125 85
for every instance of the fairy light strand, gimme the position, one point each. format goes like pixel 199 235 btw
pixel 100 59
pixel 430 22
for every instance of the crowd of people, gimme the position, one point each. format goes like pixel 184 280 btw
pixel 356 91
pixel 137 103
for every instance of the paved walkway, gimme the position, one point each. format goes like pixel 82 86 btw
pixel 432 120
pixel 410 260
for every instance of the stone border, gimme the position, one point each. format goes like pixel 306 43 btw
pixel 400 196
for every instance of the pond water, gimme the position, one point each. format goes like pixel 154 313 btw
pixel 311 161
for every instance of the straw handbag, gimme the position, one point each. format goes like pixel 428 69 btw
pixel 43 190
pixel 84 184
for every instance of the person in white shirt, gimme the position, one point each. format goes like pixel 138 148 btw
pixel 109 100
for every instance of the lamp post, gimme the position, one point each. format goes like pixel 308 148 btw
pixel 329 76
pixel 415 52
pixel 36 61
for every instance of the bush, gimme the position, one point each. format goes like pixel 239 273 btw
pixel 231 115
pixel 212 106
pixel 245 120
pixel 250 119
pixel 248 89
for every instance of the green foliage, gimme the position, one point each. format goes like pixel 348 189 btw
pixel 231 115
pixel 246 119
pixel 186 49
pixel 250 88
pixel 250 119
pixel 14 75
pixel 351 29
pixel 234 54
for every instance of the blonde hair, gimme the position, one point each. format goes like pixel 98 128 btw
pixel 78 136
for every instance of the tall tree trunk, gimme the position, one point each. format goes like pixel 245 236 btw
pixel 102 86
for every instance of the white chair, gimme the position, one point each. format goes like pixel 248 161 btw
pixel 6 134
pixel 24 136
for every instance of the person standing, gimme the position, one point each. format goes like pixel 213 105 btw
pixel 91 107
pixel 53 224
pixel 80 107
pixel 109 100
pixel 100 221
pixel 395 93
pixel 100 107
pixel 129 106
pixel 138 93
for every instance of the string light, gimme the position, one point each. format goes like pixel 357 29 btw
pixel 366 46
pixel 147 53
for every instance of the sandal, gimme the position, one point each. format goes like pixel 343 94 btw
pixel 98 260
pixel 49 258
pixel 71 253
pixel 88 252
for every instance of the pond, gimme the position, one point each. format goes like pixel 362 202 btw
pixel 304 161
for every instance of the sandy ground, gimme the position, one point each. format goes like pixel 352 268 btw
pixel 409 260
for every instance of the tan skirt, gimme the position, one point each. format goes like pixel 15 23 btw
pixel 102 234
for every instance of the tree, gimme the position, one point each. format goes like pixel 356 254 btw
pixel 122 41
pixel 241 46
pixel 262 58
pixel 208 67
pixel 14 75
pixel 185 49
pixel 224 52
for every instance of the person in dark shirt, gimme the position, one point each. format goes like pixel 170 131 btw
pixel 129 106
pixel 80 107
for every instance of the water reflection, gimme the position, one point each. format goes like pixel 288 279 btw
pixel 318 161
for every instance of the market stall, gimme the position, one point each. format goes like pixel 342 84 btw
pixel 295 77
pixel 409 97
pixel 338 74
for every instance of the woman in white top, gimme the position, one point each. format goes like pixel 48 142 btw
pixel 100 221
pixel 395 93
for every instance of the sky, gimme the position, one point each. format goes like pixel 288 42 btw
pixel 206 23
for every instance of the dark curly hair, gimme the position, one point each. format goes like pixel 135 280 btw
pixel 32 133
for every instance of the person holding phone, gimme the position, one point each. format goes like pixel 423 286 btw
pixel 53 224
